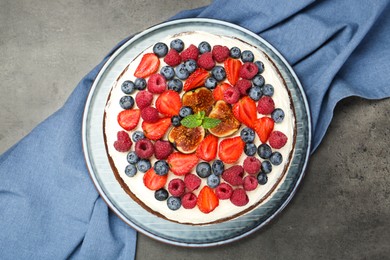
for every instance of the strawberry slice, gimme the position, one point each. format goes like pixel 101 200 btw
pixel 207 200
pixel 149 65
pixel 263 127
pixel 169 103
pixel 153 181
pixel 230 149
pixel 157 130
pixel 232 68
pixel 245 111
pixel 219 90
pixel 207 149
pixel 196 79
pixel 181 164
pixel 128 119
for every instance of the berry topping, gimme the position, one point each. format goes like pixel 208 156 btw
pixel 196 79
pixel 153 181
pixel 260 66
pixel 189 200
pixel 264 151
pixel 176 187
pixel 252 165
pixel 126 102
pixel 207 200
pixel 204 47
pixel 203 170
pixel 248 70
pixel 220 53
pixel 276 158
pixel 176 85
pixel 156 84
pixel 230 149
pixel 161 167
pixel 258 80
pixel 191 65
pixel 176 120
pixel 245 111
pixel 185 111
pixel 231 95
pixel 247 56
pixel 250 149
pixel 210 83
pixel 128 119
pixel 244 85
pixel 150 115
pixel 263 127
pixel 206 61
pixel 123 142
pixel 224 191
pixel 181 164
pixel 265 105
pixel 149 65
pixel 219 90
pixel 160 49
pixel 255 93
pixel 132 157
pixel 162 149
pixel 131 170
pixel 174 203
pixel 217 167
pixel 181 71
pixel 277 139
pixel 140 83
pixel 137 135
pixel 192 182
pixel 235 52
pixel 143 165
pixel 262 178
pixel 234 175
pixel 247 135
pixel 169 103
pixel 191 53
pixel 207 149
pixel 161 194
pixel 268 90
pixel 277 115
pixel 128 87
pixel 266 167
pixel 143 99
pixel 177 45
pixel 250 183
pixel 144 148
pixel 173 58
pixel 239 197
pixel 213 181
pixel 167 72
pixel 218 73
pixel 157 130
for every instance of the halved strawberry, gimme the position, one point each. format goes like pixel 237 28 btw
pixel 245 111
pixel 181 164
pixel 207 149
pixel 169 103
pixel 230 149
pixel 157 130
pixel 232 68
pixel 128 119
pixel 207 200
pixel 263 127
pixel 149 65
pixel 219 90
pixel 196 79
pixel 153 181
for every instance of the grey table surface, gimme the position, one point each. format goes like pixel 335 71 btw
pixel 342 208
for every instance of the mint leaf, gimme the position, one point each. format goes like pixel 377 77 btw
pixel 209 122
pixel 191 121
pixel 200 115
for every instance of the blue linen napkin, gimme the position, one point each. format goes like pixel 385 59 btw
pixel 49 207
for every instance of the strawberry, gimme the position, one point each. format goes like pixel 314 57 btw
pixel 153 181
pixel 149 65
pixel 169 103
pixel 207 149
pixel 263 127
pixel 232 68
pixel 207 200
pixel 196 79
pixel 219 91
pixel 155 131
pixel 128 119
pixel 181 164
pixel 245 111
pixel 230 149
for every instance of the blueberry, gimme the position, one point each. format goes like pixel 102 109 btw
pixel 176 120
pixel 250 149
pixel 132 157
pixel 177 44
pixel 167 72
pixel 204 47
pixel 276 158
pixel 161 194
pixel 191 65
pixel 185 111
pixel 260 66
pixel 126 102
pixel 268 90
pixel 137 135
pixel 262 178
pixel 203 169
pixel 218 73
pixel 213 181
pixel 264 151
pixel 140 83
pixel 128 87
pixel 131 170
pixel 266 166
pixel 277 115
pixel 255 93
pixel 217 167
pixel 247 56
pixel 143 165
pixel 258 80
pixel 181 71
pixel 160 49
pixel 210 83
pixel 235 52
pixel 174 203
pixel 161 167
pixel 176 85
pixel 247 135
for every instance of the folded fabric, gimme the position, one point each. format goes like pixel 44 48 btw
pixel 50 208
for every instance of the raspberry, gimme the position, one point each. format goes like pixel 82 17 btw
pixel 233 175
pixel 123 143
pixel 265 105
pixel 252 165
pixel 248 70
pixel 143 99
pixel 188 201
pixel 220 53
pixel 150 115
pixel 224 191
pixel 239 197
pixel 192 182
pixel 231 95
pixel 144 148
pixel 191 53
pixel 277 139
pixel 162 149
pixel 243 86
pixel 206 61
pixel 176 187
pixel 157 84
pixel 250 183
pixel 173 58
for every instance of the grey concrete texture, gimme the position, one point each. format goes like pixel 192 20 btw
pixel 341 209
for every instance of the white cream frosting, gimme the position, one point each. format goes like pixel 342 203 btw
pixel 225 209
